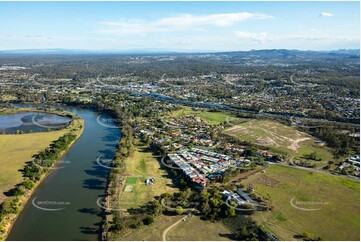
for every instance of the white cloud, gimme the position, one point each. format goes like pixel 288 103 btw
pixel 178 23
pixel 258 37
pixel 219 20
pixel 33 36
pixel 265 37
pixel 325 14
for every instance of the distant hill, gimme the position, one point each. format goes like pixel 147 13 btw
pixel 284 53
pixel 349 52
pixel 262 53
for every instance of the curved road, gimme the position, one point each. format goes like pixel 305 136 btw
pixel 164 234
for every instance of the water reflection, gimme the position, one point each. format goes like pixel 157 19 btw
pixel 28 122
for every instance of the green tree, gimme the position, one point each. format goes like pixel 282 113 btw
pixel 179 210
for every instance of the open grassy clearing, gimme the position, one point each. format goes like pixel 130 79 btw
pixel 17 149
pixel 85 99
pixel 336 199
pixel 192 228
pixel 7 97
pixel 195 229
pixel 213 118
pixel 153 231
pixel 280 138
pixel 140 166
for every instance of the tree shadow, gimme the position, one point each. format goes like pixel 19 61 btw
pixel 228 236
pixel 142 209
pixel 89 230
pixel 91 211
pixel 92 230
pixel 111 137
pixel 94 184
pixel 98 171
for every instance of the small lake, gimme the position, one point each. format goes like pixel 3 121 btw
pixel 28 122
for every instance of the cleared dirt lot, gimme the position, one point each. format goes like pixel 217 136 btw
pixel 280 138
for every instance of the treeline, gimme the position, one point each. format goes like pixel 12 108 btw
pixel 46 159
pixel 342 143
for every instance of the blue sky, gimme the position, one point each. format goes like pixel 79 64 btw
pixel 180 26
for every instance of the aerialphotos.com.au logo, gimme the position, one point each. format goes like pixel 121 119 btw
pixel 308 205
pixel 44 164
pixel 108 122
pixel 252 206
pixel 48 123
pixel 50 206
pixel 107 163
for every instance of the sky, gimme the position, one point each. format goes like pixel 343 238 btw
pixel 180 26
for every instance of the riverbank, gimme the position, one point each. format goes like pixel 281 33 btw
pixel 13 205
pixel 112 193
pixel 46 110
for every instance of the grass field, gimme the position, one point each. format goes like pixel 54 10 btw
pixel 139 166
pixel 195 229
pixel 280 138
pixel 336 199
pixel 192 229
pixel 213 118
pixel 153 231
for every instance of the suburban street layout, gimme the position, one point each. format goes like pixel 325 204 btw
pixel 180 121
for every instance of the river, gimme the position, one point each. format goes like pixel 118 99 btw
pixel 64 206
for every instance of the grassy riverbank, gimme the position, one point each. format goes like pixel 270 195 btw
pixel 16 151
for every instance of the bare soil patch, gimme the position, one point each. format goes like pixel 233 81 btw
pixel 267 181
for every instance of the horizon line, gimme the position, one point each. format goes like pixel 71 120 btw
pixel 155 50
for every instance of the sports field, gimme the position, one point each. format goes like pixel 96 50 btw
pixel 280 138
pixel 322 204
pixel 212 118
pixel 131 180
pixel 140 166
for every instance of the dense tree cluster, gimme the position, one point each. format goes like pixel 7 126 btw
pixel 342 143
